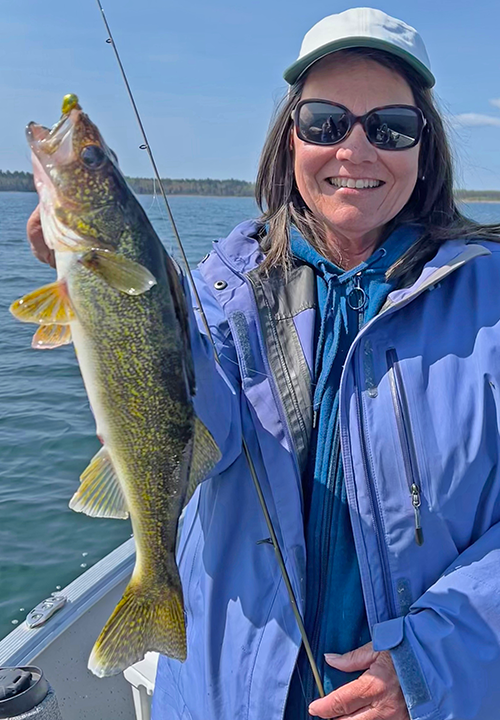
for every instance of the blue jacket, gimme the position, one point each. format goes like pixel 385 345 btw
pixel 419 416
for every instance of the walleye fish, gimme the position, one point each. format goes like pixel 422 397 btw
pixel 118 298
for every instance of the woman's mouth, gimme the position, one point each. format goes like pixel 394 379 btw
pixel 355 183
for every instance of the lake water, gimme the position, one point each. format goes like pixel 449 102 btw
pixel 47 434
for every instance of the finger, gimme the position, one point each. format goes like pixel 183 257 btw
pixel 323 709
pixel 344 701
pixel 366 713
pixel 37 240
pixel 359 659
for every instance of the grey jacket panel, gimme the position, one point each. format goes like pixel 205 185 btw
pixel 279 300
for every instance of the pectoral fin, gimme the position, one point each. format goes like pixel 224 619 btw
pixel 119 272
pixel 205 456
pixel 100 493
pixel 48 337
pixel 48 305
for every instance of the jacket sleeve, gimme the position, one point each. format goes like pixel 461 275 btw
pixel 217 398
pixel 446 651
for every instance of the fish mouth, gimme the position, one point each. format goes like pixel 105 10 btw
pixel 36 133
pixel 53 145
pixel 51 149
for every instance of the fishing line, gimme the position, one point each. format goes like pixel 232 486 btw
pixel 167 242
pixel 254 371
pixel 154 198
pixel 286 625
pixel 279 555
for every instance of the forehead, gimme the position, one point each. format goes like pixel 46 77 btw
pixel 358 83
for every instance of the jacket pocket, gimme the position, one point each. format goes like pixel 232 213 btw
pixel 406 440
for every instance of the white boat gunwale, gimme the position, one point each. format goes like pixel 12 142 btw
pixel 23 644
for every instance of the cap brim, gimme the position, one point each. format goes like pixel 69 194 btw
pixel 293 73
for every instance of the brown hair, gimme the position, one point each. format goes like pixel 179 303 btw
pixel 431 204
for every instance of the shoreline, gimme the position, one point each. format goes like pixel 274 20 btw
pixel 33 192
pixel 169 195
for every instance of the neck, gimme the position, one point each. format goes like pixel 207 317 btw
pixel 347 251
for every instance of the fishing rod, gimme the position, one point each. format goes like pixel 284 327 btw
pixel 274 539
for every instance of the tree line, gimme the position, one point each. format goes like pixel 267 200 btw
pixel 478 195
pixel 23 182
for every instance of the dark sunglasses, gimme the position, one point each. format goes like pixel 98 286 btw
pixel 391 127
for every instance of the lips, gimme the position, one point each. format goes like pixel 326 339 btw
pixel 54 145
pixel 36 133
pixel 355 183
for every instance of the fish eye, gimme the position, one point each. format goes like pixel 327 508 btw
pixel 93 156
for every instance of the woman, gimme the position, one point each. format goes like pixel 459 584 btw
pixel 357 329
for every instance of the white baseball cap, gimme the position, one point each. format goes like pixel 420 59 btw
pixel 362 27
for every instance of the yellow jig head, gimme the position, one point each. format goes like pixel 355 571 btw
pixel 69 103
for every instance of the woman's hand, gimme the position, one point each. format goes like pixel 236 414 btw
pixel 36 239
pixel 375 695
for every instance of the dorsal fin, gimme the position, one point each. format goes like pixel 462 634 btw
pixel 205 454
pixel 181 313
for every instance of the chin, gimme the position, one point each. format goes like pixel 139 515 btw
pixel 352 222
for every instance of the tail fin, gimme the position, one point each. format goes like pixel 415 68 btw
pixel 142 621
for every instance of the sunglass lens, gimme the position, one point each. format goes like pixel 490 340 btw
pixel 322 123
pixel 393 128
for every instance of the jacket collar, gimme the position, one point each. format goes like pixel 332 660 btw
pixel 450 256
pixel 242 253
pixel 241 249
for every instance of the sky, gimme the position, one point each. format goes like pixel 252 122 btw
pixel 207 74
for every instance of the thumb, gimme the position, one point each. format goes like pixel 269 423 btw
pixel 359 659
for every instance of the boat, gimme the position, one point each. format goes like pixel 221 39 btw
pixel 58 634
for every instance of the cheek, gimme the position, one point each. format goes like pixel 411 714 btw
pixel 404 166
pixel 307 164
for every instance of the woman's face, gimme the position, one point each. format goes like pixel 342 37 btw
pixel 351 214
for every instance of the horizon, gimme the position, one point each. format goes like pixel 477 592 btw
pixel 232 179
pixel 222 180
pixel 206 79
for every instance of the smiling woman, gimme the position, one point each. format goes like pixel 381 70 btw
pixel 358 221
pixel 357 343
pixel 354 216
pixel 430 202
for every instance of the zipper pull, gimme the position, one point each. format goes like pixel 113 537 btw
pixel 416 502
pixel 356 297
pixel 315 417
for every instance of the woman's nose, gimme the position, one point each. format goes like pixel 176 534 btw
pixel 355 147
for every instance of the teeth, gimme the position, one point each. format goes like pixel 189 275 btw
pixel 352 183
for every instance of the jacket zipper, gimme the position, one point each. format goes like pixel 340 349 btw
pixel 401 411
pixel 374 502
pixel 308 681
pixel 358 308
